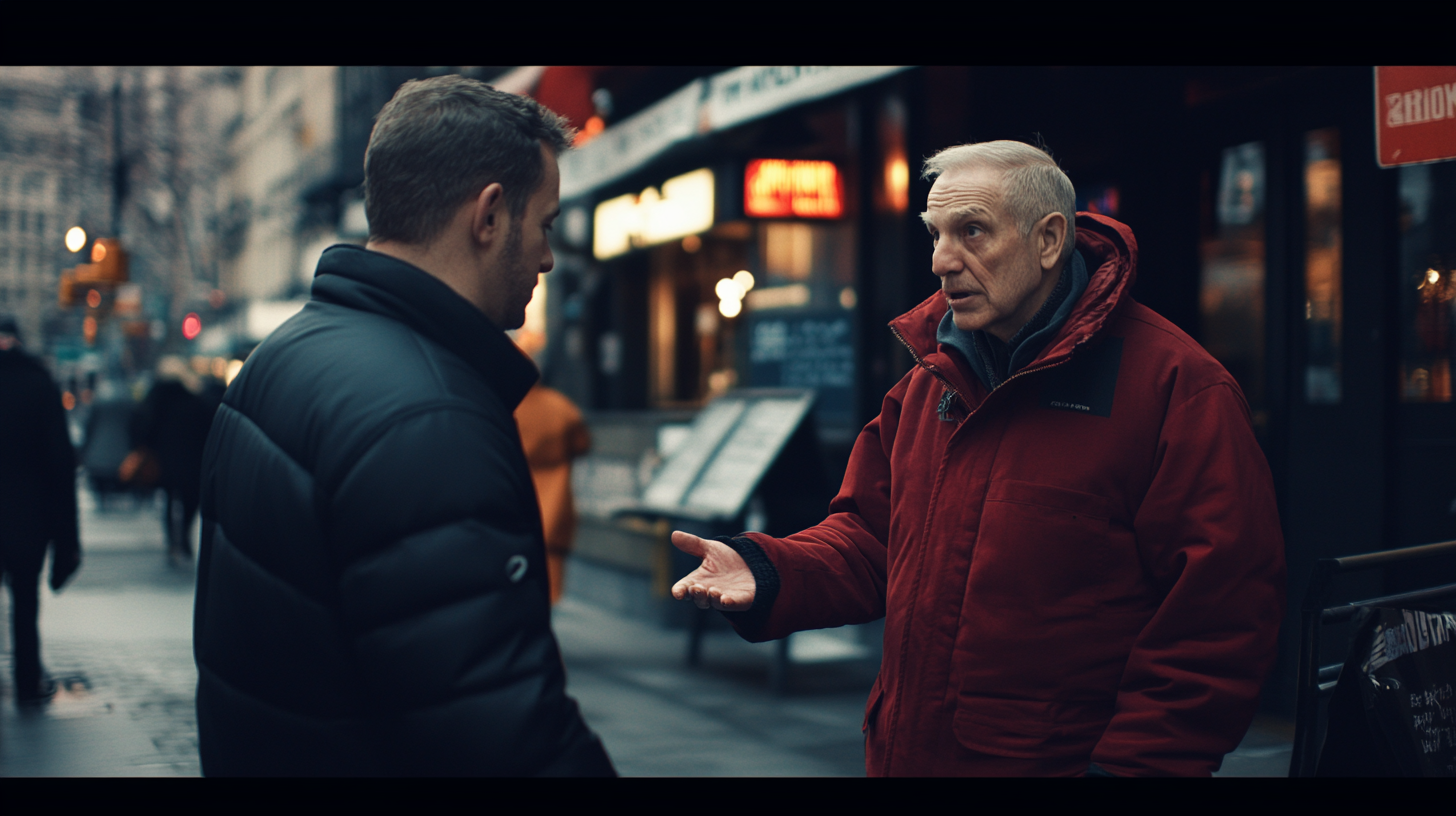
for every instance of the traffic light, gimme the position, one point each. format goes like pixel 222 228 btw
pixel 108 263
pixel 68 289
pixel 110 260
pixel 109 267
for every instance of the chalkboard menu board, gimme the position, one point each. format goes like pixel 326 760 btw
pixel 808 349
pixel 732 444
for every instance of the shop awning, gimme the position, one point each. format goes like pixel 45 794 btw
pixel 701 107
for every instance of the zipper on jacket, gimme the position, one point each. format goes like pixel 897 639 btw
pixel 948 398
pixel 943 409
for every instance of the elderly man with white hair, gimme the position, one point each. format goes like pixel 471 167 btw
pixel 1061 511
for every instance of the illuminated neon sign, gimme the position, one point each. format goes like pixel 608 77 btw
pixel 783 188
pixel 684 207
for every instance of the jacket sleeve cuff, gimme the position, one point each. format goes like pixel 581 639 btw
pixel 766 577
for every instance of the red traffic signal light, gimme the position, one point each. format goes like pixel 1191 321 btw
pixel 191 326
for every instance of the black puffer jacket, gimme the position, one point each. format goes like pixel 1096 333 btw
pixel 372 595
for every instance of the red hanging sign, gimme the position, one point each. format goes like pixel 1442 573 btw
pixel 782 188
pixel 1415 114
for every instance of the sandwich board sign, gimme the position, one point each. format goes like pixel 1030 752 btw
pixel 731 446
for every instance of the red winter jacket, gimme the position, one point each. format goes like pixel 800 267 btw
pixel 1084 565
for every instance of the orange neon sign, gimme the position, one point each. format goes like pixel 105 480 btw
pixel 782 188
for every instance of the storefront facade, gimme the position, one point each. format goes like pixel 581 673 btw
pixel 1267 229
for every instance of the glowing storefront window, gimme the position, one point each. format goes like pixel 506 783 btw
pixel 1427 280
pixel 1231 288
pixel 1323 279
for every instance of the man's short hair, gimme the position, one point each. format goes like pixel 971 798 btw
pixel 440 141
pixel 1033 184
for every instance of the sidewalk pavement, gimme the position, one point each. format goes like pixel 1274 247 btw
pixel 119 641
pixel 658 717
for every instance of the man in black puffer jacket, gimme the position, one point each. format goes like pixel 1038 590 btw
pixel 372 592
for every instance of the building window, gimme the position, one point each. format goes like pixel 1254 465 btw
pixel 1231 288
pixel 1323 282
pixel 692 344
pixel 1427 280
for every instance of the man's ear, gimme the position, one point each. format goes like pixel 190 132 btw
pixel 1050 232
pixel 488 214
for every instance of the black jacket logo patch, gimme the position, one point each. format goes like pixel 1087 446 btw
pixel 1088 383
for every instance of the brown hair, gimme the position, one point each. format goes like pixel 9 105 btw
pixel 440 141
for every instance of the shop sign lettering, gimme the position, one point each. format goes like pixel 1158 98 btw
pixel 1415 114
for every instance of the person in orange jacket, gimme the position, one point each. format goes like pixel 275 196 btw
pixel 553 433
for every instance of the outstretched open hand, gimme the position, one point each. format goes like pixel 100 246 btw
pixel 722 582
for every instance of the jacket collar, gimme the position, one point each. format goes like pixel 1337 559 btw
pixel 1110 251
pixel 358 278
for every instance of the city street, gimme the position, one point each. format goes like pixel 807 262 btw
pixel 119 641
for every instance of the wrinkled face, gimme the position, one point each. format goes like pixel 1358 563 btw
pixel 990 273
pixel 527 253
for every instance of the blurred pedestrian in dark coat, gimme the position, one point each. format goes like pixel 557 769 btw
pixel 37 502
pixel 172 424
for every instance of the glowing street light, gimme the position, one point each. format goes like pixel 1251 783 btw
pixel 730 292
pixel 75 239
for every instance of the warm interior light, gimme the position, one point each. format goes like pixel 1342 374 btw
pixel 233 368
pixel 779 297
pixel 728 289
pixel 730 308
pixel 744 279
pixel 68 401
pixel 75 239
pixel 93 299
pixel 1432 276
pixel 897 183
pixel 98 252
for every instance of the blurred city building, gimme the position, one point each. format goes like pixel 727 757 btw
pixel 296 175
pixel 51 174
pixel 122 162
